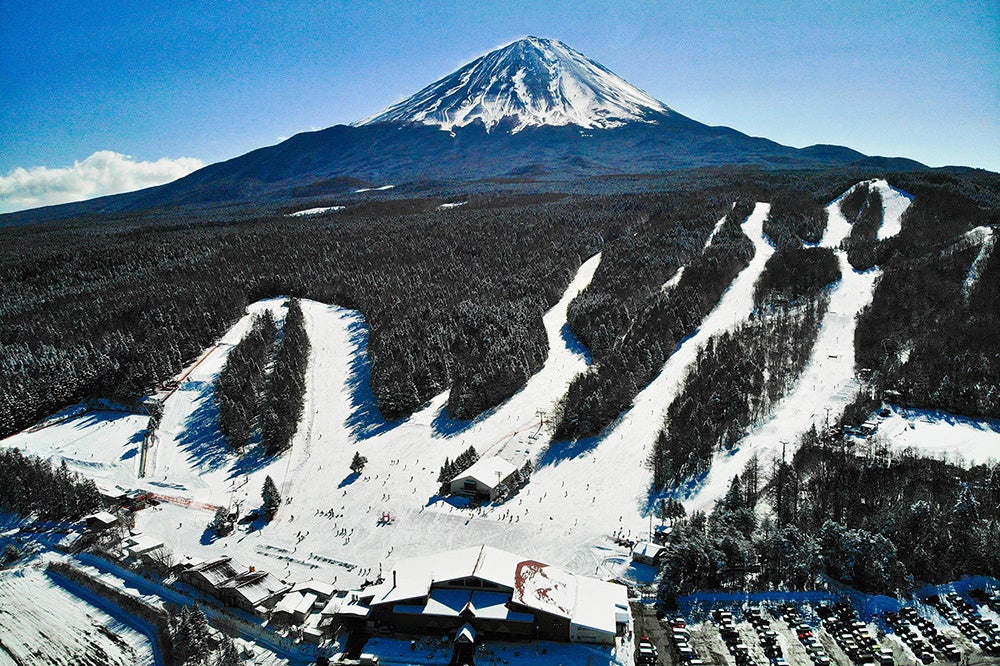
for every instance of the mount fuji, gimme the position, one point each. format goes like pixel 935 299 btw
pixel 529 83
pixel 535 111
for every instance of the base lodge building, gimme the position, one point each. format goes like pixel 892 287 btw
pixel 496 595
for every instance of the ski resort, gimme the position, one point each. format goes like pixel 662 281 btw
pixel 526 368
pixel 347 550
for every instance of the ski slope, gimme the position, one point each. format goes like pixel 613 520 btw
pixel 44 624
pixel 342 528
pixel 332 526
pixel 340 417
pixel 827 383
pixel 604 481
pixel 82 442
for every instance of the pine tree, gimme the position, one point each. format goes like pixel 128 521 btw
pixel 198 631
pixel 286 387
pixel 358 463
pixel 181 636
pixel 271 497
pixel 444 476
pixel 220 523
pixel 228 655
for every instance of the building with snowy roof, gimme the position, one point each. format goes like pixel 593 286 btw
pixel 255 591
pixel 483 478
pixel 647 552
pixel 101 520
pixel 294 607
pixel 321 589
pixel 499 595
pixel 208 576
pixel 143 548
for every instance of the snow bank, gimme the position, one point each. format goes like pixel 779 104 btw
pixel 373 189
pixel 316 211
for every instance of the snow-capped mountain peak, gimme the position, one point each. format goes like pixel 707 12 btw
pixel 530 82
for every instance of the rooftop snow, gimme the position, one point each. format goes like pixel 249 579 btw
pixel 257 586
pixel 647 549
pixel 489 471
pixel 102 516
pixel 584 601
pixel 319 587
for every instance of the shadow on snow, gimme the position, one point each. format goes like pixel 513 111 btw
pixel 366 418
pixel 201 439
pixel 573 343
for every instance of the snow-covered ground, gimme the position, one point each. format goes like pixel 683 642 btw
pixel 102 445
pixel 316 211
pixel 42 623
pixel 828 382
pixel 331 526
pixel 374 189
pixel 448 206
pixel 960 439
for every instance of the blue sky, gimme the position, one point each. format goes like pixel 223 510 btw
pixel 212 80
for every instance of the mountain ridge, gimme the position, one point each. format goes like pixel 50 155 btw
pixel 533 80
pixel 534 106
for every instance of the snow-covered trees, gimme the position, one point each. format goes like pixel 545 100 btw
pixel 192 643
pixel 658 323
pixel 863 243
pixel 31 485
pixel 735 380
pixel 286 386
pixel 271 497
pixel 248 395
pixel 220 522
pixel 452 468
pixel 358 462
pixel 190 636
pixel 239 389
pixel 874 523
pixel 922 336
pixel 228 655
pixel 116 312
pixel 518 480
pixel 795 273
pixel 795 217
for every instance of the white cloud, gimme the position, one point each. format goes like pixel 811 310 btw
pixel 104 172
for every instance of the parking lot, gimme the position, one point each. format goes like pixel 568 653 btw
pixel 948 630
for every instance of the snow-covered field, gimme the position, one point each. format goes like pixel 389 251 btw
pixel 331 526
pixel 316 211
pixel 42 623
pixel 100 444
pixel 940 435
